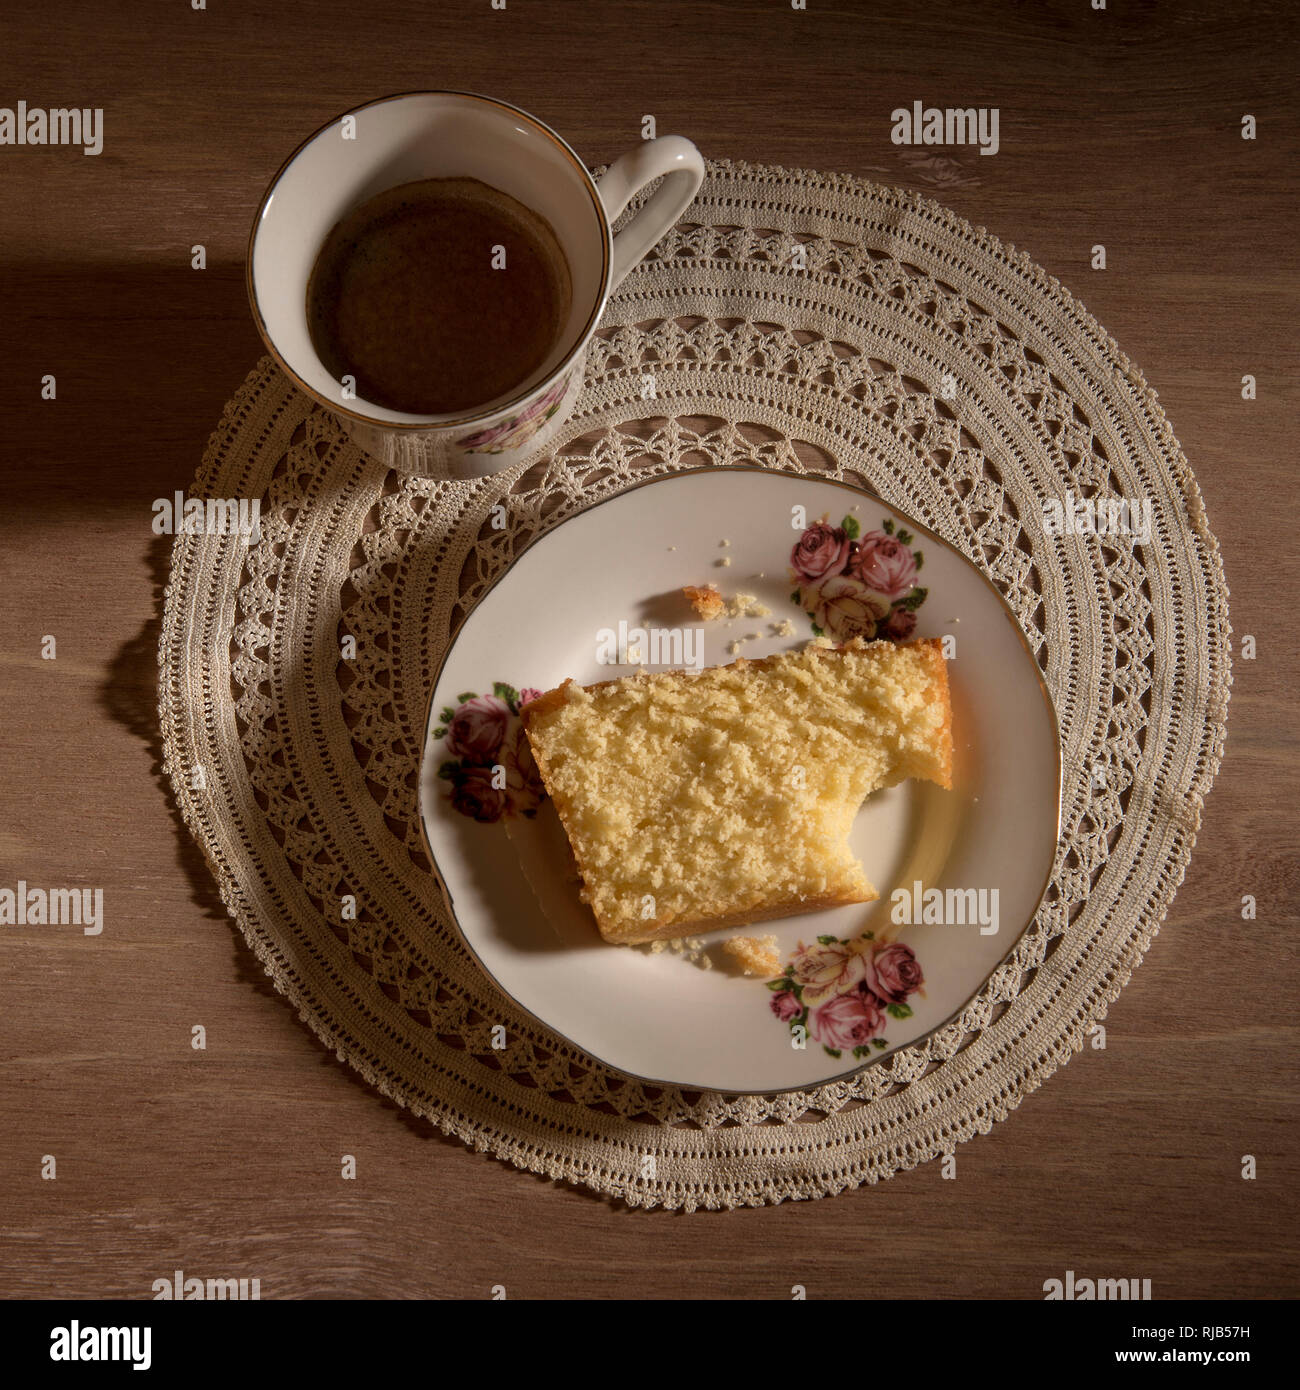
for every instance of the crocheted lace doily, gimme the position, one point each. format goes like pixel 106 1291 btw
pixel 806 322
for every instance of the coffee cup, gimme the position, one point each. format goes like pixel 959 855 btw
pixel 458 135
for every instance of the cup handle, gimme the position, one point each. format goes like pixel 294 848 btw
pixel 680 164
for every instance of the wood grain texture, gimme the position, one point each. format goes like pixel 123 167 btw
pixel 1120 127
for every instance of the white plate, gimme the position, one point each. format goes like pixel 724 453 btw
pixel 663 1016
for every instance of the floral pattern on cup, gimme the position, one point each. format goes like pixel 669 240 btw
pixel 843 991
pixel 856 585
pixel 516 429
pixel 490 768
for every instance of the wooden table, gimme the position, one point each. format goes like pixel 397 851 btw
pixel 1120 127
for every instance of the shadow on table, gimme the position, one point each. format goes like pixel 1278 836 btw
pixel 129 694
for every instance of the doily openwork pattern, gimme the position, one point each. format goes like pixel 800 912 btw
pixel 801 321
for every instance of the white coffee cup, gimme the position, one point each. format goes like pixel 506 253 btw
pixel 420 135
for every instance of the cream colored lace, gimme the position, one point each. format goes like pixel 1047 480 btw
pixel 912 353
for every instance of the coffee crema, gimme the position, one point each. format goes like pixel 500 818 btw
pixel 438 296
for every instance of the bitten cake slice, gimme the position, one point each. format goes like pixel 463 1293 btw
pixel 698 800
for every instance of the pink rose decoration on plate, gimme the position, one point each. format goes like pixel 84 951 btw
pixel 893 972
pixel 822 550
pixel 847 1021
pixel 853 585
pixel 473 794
pixel 898 626
pixel 476 731
pixel 841 993
pixel 490 766
pixel 884 564
pixel 785 1006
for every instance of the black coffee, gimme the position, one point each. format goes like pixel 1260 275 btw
pixel 438 296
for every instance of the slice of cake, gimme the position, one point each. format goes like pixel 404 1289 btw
pixel 698 800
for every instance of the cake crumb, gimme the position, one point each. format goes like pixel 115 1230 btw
pixel 725 561
pixel 706 600
pixel 747 606
pixel 785 628
pixel 709 603
pixel 689 948
pixel 756 955
pixel 724 543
